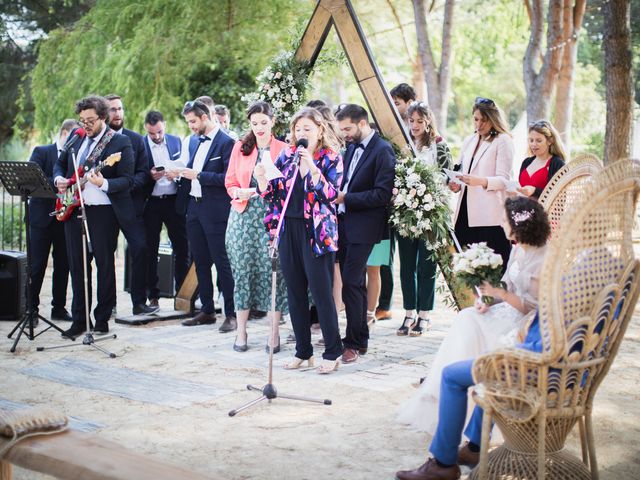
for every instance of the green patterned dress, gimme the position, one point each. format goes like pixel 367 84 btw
pixel 247 247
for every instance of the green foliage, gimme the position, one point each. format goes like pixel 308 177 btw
pixel 150 51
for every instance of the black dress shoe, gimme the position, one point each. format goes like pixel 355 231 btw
pixel 362 350
pixel 241 348
pixel 201 319
pixel 276 348
pixel 143 309
pixel 74 332
pixel 229 325
pixel 101 328
pixel 60 313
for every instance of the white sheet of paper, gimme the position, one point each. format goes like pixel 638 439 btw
pixel 453 176
pixel 270 170
pixel 250 190
pixel 512 186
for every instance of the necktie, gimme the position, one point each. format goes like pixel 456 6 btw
pixel 86 152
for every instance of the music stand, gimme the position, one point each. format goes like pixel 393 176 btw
pixel 26 179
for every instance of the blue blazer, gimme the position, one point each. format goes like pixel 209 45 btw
pixel 215 198
pixel 141 176
pixel 40 208
pixel 369 193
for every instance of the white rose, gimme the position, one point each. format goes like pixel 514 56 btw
pixel 419 214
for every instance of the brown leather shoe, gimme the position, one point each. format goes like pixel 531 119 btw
pixel 350 355
pixel 229 325
pixel 430 471
pixel 200 319
pixel 467 457
pixel 383 314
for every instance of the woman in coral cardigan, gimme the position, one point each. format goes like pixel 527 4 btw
pixel 247 240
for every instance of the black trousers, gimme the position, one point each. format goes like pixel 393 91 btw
pixel 303 272
pixel 103 232
pixel 162 211
pixel 42 239
pixel 386 276
pixel 353 269
pixel 206 241
pixel 137 243
pixel 494 235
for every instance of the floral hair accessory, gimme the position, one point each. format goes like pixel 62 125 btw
pixel 519 217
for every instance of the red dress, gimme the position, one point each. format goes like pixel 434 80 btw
pixel 539 178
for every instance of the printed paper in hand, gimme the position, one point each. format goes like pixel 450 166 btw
pixel 453 176
pixel 270 170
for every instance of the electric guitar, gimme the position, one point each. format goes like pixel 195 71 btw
pixel 68 201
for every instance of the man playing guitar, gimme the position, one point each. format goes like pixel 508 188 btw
pixel 108 204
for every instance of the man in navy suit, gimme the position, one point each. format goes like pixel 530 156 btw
pixel 163 151
pixel 203 196
pixel 362 217
pixel 108 205
pixel 135 232
pixel 46 231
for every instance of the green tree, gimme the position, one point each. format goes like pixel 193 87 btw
pixel 156 54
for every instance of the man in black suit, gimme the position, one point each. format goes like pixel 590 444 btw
pixel 203 196
pixel 108 205
pixel 135 232
pixel 362 217
pixel 46 231
pixel 164 152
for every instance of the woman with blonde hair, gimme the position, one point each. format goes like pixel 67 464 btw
pixel 309 234
pixel 485 167
pixel 547 157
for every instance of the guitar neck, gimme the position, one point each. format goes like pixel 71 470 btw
pixel 95 169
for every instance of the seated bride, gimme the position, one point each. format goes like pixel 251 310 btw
pixel 483 328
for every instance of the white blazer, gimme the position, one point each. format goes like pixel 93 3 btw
pixel 494 161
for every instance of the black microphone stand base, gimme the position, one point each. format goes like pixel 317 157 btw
pixel 269 392
pixel 89 340
pixel 27 323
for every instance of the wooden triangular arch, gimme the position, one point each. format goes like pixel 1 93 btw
pixel 341 15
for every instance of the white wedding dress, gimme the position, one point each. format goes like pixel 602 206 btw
pixel 473 333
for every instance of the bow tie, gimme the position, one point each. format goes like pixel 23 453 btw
pixel 359 145
pixel 203 138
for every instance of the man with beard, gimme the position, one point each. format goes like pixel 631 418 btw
pixel 163 152
pixel 107 199
pixel 369 166
pixel 203 196
pixel 134 232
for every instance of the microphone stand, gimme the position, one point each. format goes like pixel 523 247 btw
pixel 86 247
pixel 269 391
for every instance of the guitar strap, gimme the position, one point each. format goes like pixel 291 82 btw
pixel 102 144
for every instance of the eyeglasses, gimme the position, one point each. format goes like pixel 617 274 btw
pixel 340 107
pixel 89 122
pixel 539 124
pixel 196 104
pixel 485 101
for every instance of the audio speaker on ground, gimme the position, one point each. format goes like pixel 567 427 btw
pixel 13 283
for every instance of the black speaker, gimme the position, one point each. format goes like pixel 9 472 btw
pixel 13 285
pixel 166 271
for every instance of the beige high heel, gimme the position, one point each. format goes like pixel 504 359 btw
pixel 296 363
pixel 328 366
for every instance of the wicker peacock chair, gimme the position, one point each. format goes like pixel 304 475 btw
pixel 567 186
pixel 589 287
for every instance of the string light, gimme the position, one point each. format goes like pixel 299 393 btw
pixel 572 38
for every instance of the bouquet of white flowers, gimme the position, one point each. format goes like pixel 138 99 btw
pixel 282 84
pixel 477 264
pixel 421 203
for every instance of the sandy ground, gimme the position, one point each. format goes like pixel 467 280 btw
pixel 356 437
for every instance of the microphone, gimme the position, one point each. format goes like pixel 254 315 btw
pixel 75 134
pixel 303 142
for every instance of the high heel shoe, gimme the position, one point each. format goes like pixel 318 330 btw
pixel 403 331
pixel 328 366
pixel 295 363
pixel 276 348
pixel 241 348
pixel 417 328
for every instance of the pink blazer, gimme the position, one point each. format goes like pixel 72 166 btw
pixel 241 168
pixel 493 160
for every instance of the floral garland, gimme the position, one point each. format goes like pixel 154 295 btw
pixel 283 84
pixel 421 203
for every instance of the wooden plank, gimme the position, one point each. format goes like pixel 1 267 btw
pixel 73 455
pixel 380 105
pixel 5 470
pixel 354 43
pixel 314 35
pixel 186 296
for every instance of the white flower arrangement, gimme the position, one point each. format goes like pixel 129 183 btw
pixel 282 84
pixel 421 203
pixel 476 264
